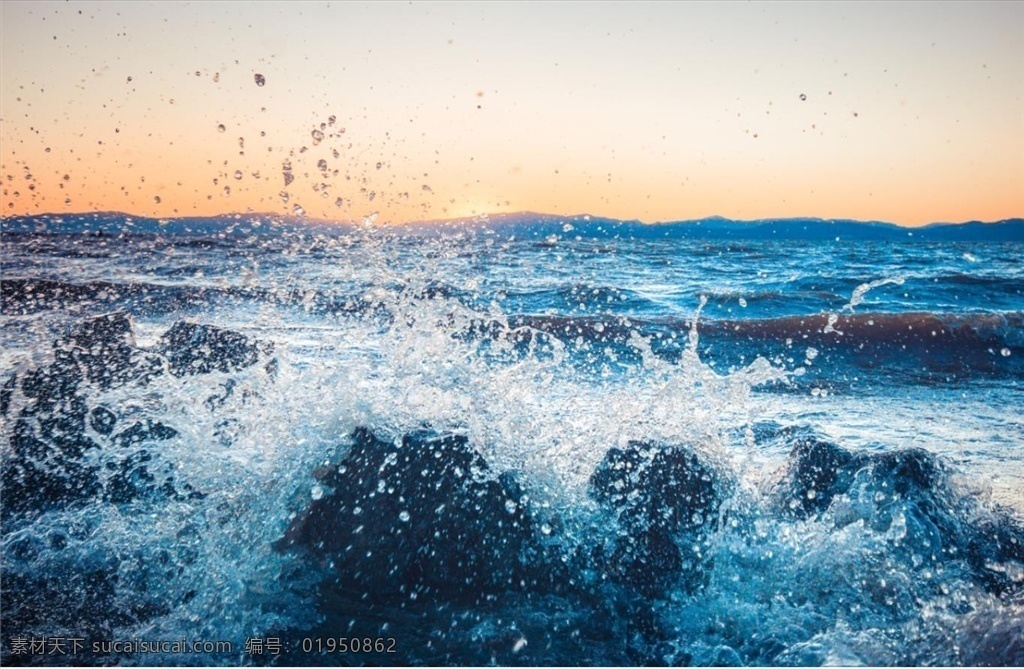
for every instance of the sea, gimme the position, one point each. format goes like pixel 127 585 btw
pixel 509 445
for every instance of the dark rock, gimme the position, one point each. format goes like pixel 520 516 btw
pixel 991 638
pixel 143 432
pixel 75 591
pixel 53 384
pixel 191 348
pixel 995 552
pixel 817 472
pixel 102 420
pixel 661 495
pixel 679 491
pixel 910 486
pixel 130 479
pixel 6 391
pixel 904 471
pixel 48 441
pixel 617 476
pixel 38 478
pixel 648 560
pixel 70 594
pixel 421 520
pixel 104 347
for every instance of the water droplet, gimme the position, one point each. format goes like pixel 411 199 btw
pixel 1005 352
pixel 812 494
pixel 380 165
pixel 743 302
pixel 238 174
pixel 260 79
pixel 321 165
pixel 318 136
pixel 427 188
pixel 803 96
pixel 316 492
pixel 156 199
pixel 220 127
pixel 545 528
pixel 812 353
pixel 404 516
pixel 298 211
pixel 510 506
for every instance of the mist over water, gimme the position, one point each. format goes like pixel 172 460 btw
pixel 515 450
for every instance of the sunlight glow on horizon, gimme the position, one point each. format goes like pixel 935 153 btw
pixel 904 112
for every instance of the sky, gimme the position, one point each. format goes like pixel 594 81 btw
pixel 904 112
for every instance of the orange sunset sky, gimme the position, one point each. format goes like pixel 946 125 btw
pixel 906 112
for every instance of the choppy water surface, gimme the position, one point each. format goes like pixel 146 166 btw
pixel 514 450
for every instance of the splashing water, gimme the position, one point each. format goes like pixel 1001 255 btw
pixel 857 298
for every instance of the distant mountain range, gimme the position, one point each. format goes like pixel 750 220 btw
pixel 524 224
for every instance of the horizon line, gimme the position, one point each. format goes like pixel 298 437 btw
pixel 498 215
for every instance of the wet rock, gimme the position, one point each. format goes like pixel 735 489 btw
pixel 905 495
pixel 6 391
pixel 992 638
pixel 647 559
pixel 678 491
pixel 905 471
pixel 49 441
pixel 995 551
pixel 104 349
pixel 39 475
pixel 74 592
pixel 908 486
pixel 192 348
pixel 130 477
pixel 423 520
pixel 661 496
pixel 817 472
pixel 102 420
pixel 617 476
pixel 142 432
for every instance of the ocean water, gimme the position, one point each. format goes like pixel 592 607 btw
pixel 528 449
